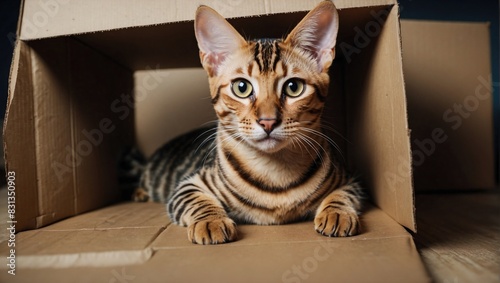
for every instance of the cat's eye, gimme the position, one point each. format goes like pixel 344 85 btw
pixel 293 87
pixel 242 88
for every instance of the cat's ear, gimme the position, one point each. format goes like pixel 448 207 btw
pixel 216 38
pixel 317 34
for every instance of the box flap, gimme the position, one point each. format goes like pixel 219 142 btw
pixel 381 147
pixel 449 87
pixel 52 85
pixel 112 242
pixel 42 19
pixel 52 118
pixel 115 235
pixel 19 141
pixel 59 249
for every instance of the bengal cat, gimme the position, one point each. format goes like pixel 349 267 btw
pixel 267 161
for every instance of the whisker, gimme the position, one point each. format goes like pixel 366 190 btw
pixel 210 122
pixel 308 141
pixel 209 152
pixel 301 144
pixel 313 141
pixel 214 146
pixel 210 137
pixel 331 127
pixel 327 138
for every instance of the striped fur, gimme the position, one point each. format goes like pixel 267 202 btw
pixel 267 161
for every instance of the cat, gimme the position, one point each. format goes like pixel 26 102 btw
pixel 267 161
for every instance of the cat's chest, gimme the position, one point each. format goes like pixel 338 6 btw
pixel 263 190
pixel 269 216
pixel 249 202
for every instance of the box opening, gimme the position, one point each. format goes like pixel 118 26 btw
pixel 82 90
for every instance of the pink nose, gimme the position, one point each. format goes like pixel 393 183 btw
pixel 268 124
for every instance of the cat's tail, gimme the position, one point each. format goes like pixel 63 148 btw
pixel 130 168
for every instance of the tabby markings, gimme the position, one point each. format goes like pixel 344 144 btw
pixel 237 166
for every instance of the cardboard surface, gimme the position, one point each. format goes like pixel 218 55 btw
pixel 138 238
pixel 72 88
pixel 74 95
pixel 19 141
pixel 448 82
pixel 144 47
pixel 59 81
pixel 42 19
pixel 115 235
pixel 83 109
pixel 378 122
pixel 165 101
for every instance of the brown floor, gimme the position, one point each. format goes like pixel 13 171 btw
pixel 458 238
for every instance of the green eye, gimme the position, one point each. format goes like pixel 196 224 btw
pixel 242 88
pixel 294 87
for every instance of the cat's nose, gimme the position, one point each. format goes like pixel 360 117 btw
pixel 268 124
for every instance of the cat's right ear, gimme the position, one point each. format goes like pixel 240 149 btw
pixel 216 39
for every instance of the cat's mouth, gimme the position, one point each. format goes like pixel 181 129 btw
pixel 269 143
pixel 267 138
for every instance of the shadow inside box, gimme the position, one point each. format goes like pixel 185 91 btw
pixel 459 234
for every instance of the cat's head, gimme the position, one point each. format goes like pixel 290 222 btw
pixel 269 93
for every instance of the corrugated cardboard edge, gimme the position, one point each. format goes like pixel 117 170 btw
pixel 414 227
pixel 408 218
pixel 85 259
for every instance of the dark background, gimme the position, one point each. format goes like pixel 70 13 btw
pixel 445 10
pixel 9 12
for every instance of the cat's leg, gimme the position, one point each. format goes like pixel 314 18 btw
pixel 337 215
pixel 194 206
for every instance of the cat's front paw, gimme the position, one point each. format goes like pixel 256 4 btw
pixel 336 222
pixel 212 231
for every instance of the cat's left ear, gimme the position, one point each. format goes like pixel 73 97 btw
pixel 317 34
pixel 216 38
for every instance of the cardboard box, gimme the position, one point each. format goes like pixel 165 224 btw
pixel 116 243
pixel 447 67
pixel 71 111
